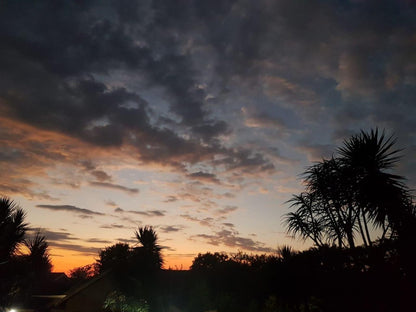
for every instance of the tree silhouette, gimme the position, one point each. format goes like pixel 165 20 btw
pixel 350 194
pixel 115 257
pixel 12 228
pixel 150 250
pixel 380 195
pixel 38 257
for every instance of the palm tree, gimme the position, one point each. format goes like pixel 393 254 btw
pixel 149 249
pixel 347 194
pixel 305 222
pixel 326 183
pixel 12 228
pixel 381 196
pixel 38 257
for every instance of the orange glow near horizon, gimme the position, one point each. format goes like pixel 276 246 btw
pixel 65 261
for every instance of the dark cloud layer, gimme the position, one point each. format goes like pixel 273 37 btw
pixel 59 59
pixel 56 55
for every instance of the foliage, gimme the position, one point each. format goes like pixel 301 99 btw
pixel 38 257
pixel 117 302
pixel 209 261
pixel 115 257
pixel 351 194
pixel 21 272
pixel 150 250
pixel 134 270
pixel 83 273
pixel 12 228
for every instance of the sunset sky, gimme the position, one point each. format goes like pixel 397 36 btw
pixel 195 117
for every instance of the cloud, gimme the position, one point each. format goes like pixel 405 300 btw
pixel 227 210
pixel 115 187
pixel 171 228
pixel 231 239
pixel 54 235
pixel 316 152
pixel 263 120
pixel 228 195
pixel 70 208
pixel 149 213
pixel 74 247
pixel 105 83
pixel 170 199
pixel 111 203
pixel 106 114
pixel 101 175
pixel 97 240
pixel 204 176
pixel 208 221
pixel 65 240
pixel 113 226
pixel 230 225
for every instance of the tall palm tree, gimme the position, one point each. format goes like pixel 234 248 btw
pixel 327 183
pixel 12 228
pixel 150 248
pixel 381 196
pixel 348 193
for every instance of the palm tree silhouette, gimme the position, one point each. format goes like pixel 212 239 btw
pixel 38 256
pixel 381 196
pixel 150 249
pixel 346 194
pixel 12 228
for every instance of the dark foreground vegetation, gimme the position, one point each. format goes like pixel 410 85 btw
pixel 360 216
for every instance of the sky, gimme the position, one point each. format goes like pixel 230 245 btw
pixel 194 117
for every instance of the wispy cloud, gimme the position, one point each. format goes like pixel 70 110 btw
pixel 70 208
pixel 149 213
pixel 208 221
pixel 171 228
pixel 232 239
pixel 170 199
pixel 113 226
pixel 76 247
pixel 98 240
pixel 226 210
pixel 115 187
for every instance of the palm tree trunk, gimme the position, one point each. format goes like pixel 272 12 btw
pixel 362 230
pixel 335 226
pixel 350 227
pixel 385 229
pixel 366 229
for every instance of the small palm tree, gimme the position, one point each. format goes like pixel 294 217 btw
pixel 147 237
pixel 38 256
pixel 12 228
